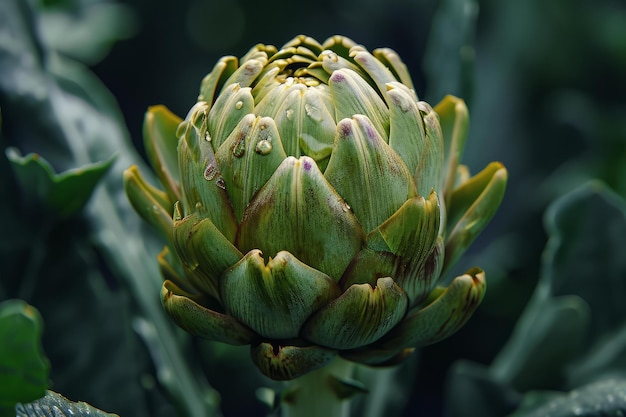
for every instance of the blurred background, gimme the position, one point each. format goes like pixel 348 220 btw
pixel 545 83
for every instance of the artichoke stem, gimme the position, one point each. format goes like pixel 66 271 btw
pixel 320 393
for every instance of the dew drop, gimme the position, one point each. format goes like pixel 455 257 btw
pixel 220 183
pixel 289 114
pixel 239 105
pixel 263 147
pixel 210 172
pixel 345 206
pixel 239 148
pixel 199 206
pixel 312 111
pixel 207 137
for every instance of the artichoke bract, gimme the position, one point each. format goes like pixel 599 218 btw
pixel 310 203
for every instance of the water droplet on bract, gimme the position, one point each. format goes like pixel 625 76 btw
pixel 239 105
pixel 199 206
pixel 312 111
pixel 210 172
pixel 207 137
pixel 263 147
pixel 289 114
pixel 220 183
pixel 345 206
pixel 239 148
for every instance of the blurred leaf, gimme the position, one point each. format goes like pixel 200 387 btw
pixel 23 367
pixel 599 399
pixel 473 390
pixel 606 357
pixel 449 58
pixel 546 338
pixel 573 330
pixel 585 254
pixel 579 297
pixel 94 27
pixel 65 193
pixel 56 405
pixel 58 108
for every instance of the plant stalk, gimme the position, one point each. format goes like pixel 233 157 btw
pixel 320 393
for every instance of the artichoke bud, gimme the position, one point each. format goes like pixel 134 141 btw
pixel 311 203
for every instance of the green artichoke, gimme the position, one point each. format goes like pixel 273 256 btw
pixel 310 203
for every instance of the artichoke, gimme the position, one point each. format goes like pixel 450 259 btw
pixel 311 203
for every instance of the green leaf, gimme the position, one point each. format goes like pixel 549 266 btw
pixel 64 193
pixel 56 405
pixel 23 367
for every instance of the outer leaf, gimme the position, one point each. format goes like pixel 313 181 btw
pixel 489 193
pixel 64 193
pixel 353 95
pixel 454 121
pixel 23 367
pixel 56 405
pixel 374 68
pixel 443 317
pixel 213 81
pixel 392 61
pixel 229 109
pixel 286 362
pixel 359 317
pixel 367 173
pixel 306 120
pixel 247 71
pixel 421 150
pixel 202 185
pixel 151 204
pixel 275 299
pixel 298 211
pixel 201 321
pixel 161 142
pixel 248 158
pixel 411 232
pixel 204 251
